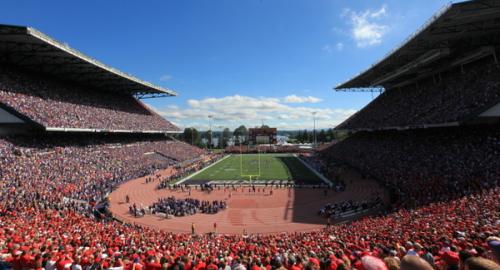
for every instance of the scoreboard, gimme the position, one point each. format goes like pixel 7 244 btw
pixel 262 135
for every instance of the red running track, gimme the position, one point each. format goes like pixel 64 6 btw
pixel 287 210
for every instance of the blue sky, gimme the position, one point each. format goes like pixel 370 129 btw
pixel 244 61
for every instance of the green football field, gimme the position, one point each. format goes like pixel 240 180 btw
pixel 272 167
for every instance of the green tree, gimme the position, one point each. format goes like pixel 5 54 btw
pixel 298 136
pixel 226 134
pixel 329 135
pixel 241 133
pixel 191 135
pixel 321 136
pixel 206 135
pixel 305 136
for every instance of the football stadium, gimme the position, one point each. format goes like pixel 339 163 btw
pixel 92 177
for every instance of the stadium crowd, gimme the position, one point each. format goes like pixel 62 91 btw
pixel 444 164
pixel 441 225
pixel 186 207
pixel 441 234
pixel 331 171
pixel 454 97
pixel 66 171
pixel 445 186
pixel 53 103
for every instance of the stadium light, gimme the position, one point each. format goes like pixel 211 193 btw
pixel 314 127
pixel 210 128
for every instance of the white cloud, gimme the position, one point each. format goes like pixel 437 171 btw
pixel 338 30
pixel 232 111
pixel 165 77
pixel 367 28
pixel 327 48
pixel 379 13
pixel 339 46
pixel 299 99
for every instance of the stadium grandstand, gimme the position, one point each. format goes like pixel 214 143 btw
pixel 48 85
pixel 446 74
pixel 74 129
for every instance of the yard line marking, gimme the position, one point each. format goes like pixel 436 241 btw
pixel 196 173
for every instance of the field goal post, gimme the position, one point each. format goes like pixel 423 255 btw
pixel 250 176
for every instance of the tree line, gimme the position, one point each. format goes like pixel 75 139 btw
pixel 203 138
pixel 240 135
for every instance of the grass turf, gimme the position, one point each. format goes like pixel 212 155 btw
pixel 272 167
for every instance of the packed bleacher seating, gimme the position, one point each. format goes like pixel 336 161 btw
pixel 444 212
pixel 54 103
pixel 453 97
pixel 49 169
pixel 329 170
pixel 454 217
pixel 423 166
pixel 439 233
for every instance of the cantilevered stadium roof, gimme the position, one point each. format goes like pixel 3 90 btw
pixel 33 50
pixel 457 34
